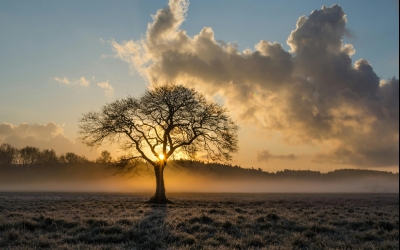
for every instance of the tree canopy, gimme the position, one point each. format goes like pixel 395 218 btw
pixel 169 120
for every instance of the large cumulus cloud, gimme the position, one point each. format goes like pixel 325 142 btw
pixel 314 93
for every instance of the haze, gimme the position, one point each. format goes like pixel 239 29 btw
pixel 194 177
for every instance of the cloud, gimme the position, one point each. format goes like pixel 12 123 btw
pixel 265 155
pixel 108 89
pixel 43 136
pixel 62 80
pixel 81 81
pixel 46 131
pixel 313 94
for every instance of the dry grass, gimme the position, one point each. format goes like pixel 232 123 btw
pixel 199 221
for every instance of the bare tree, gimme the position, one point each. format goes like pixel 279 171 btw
pixel 8 154
pixel 72 158
pixel 29 155
pixel 165 121
pixel 48 156
pixel 105 157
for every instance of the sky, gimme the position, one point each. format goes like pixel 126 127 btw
pixel 311 87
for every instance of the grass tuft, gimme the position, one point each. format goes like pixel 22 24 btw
pixel 273 217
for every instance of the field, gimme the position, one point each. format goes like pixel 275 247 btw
pixel 199 221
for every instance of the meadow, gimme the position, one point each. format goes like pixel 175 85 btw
pixel 199 221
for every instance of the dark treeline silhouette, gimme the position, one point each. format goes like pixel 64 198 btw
pixel 232 171
pixel 31 156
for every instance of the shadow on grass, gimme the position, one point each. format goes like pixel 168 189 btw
pixel 148 232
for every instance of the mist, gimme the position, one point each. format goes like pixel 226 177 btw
pixel 194 178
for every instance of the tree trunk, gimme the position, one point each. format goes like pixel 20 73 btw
pixel 159 196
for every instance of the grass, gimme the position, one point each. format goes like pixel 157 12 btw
pixel 199 221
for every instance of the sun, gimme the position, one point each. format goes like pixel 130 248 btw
pixel 161 156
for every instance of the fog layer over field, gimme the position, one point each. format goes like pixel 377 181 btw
pixel 194 177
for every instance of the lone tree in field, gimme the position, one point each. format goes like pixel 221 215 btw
pixel 164 121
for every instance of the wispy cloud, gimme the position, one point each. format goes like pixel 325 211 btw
pixel 62 80
pixel 82 81
pixel 265 155
pixel 108 89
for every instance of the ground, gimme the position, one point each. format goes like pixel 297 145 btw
pixel 199 221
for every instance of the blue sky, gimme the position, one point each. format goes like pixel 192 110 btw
pixel 41 40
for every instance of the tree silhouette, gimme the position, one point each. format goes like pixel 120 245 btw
pixel 166 121
pixel 48 157
pixel 29 155
pixel 105 157
pixel 8 154
pixel 72 158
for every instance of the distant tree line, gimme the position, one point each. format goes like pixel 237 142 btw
pixel 32 156
pixel 230 171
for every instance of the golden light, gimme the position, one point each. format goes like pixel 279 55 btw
pixel 161 156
